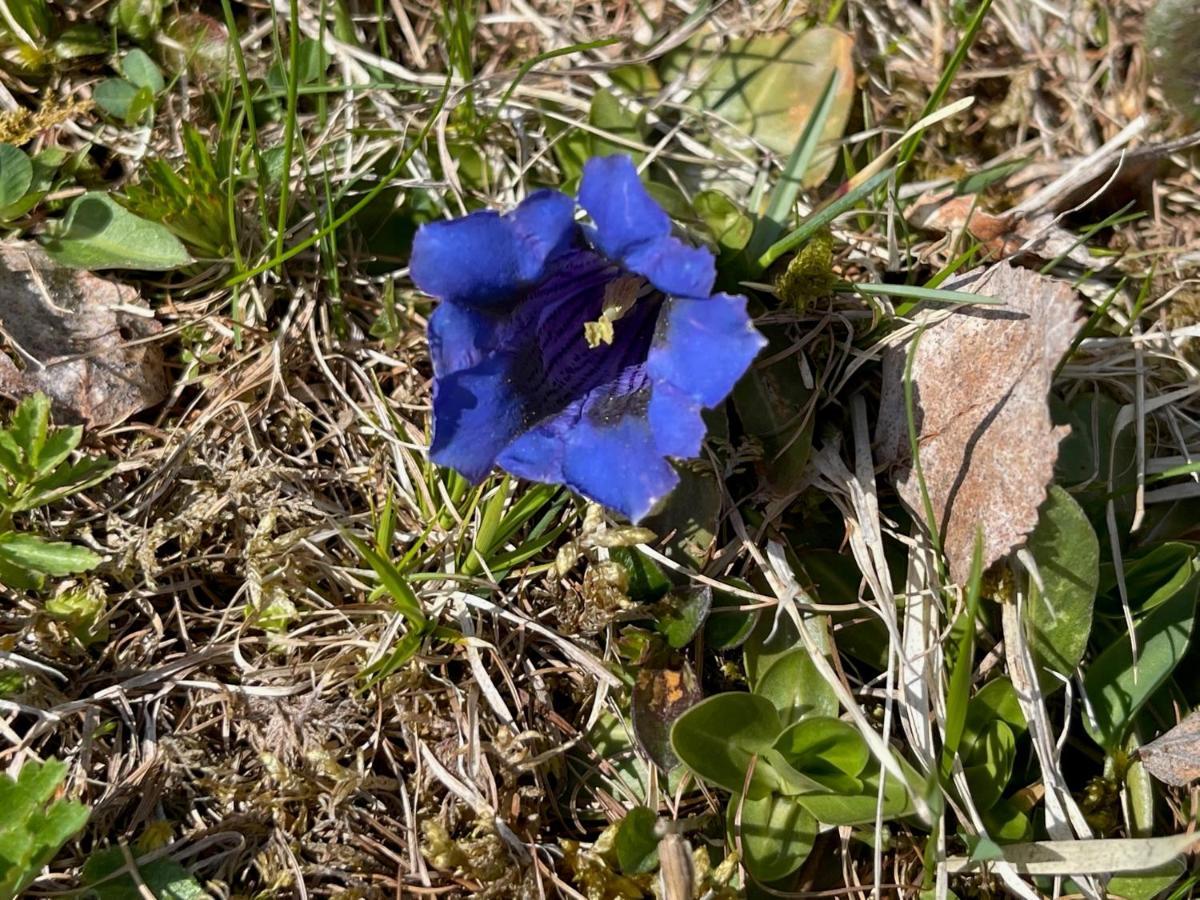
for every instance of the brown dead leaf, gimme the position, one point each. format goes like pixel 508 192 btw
pixel 660 696
pixel 980 380
pixel 1004 236
pixel 1174 758
pixel 61 334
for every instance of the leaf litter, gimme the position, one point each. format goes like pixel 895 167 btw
pixel 86 342
pixel 1174 758
pixel 980 379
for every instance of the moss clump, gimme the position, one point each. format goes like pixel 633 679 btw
pixel 809 274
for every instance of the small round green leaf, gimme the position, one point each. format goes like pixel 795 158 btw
pixel 140 70
pixel 636 843
pixel 776 834
pixel 115 96
pixel 795 687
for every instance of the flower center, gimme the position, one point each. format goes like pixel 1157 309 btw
pixel 619 296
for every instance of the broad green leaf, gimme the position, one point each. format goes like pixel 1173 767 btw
pixel 79 40
pixel 776 834
pixel 1151 576
pixel 768 85
pixel 718 737
pixel 14 576
pixel 33 828
pixel 835 578
pixel 1146 885
pixel 137 18
pixel 995 700
pixel 1117 686
pixel 40 556
pixel 1091 452
pixel 795 687
pixel 57 447
pixel 116 97
pixel 16 175
pixel 688 517
pixel 1067 552
pixel 141 71
pixel 311 62
pixel 636 79
pixel 314 60
pixel 166 879
pixel 99 233
pixel 988 762
pixel 635 843
pixel 771 638
pixel 825 742
pixel 66 479
pixel 1166 590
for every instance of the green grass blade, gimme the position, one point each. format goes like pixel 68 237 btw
pixel 819 220
pixel 943 86
pixel 926 294
pixel 397 587
pixel 384 183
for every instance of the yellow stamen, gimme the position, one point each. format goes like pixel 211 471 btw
pixel 619 296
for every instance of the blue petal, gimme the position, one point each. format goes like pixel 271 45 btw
pixel 674 267
pixel 618 464
pixel 485 258
pixel 538 453
pixel 475 416
pixel 458 337
pixel 603 445
pixel 545 224
pixel 626 216
pixel 676 421
pixel 704 347
pixel 632 228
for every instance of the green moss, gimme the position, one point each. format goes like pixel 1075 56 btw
pixel 809 274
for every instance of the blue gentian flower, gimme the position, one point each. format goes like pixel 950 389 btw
pixel 577 354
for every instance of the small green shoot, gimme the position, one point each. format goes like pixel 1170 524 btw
pixel 35 825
